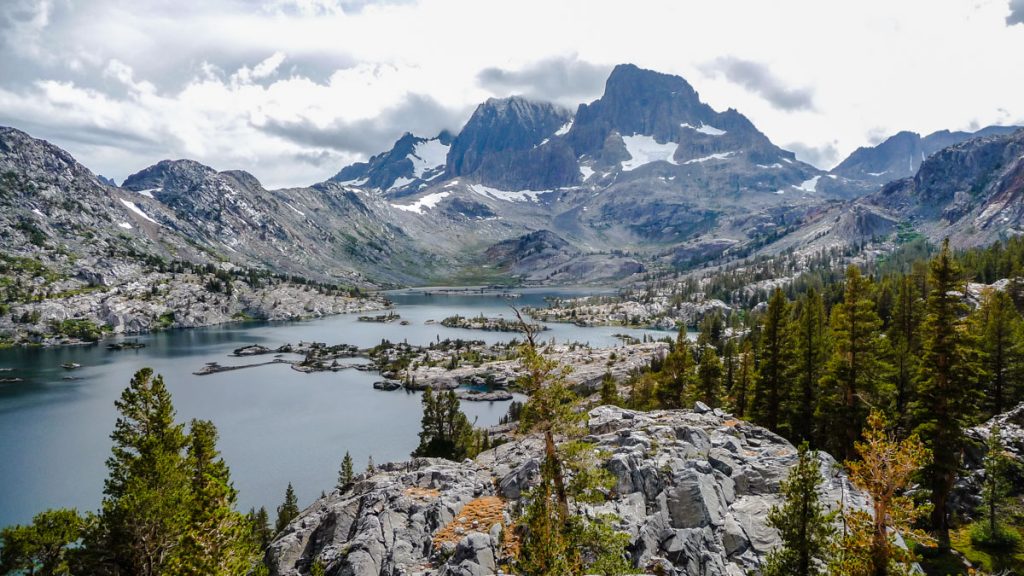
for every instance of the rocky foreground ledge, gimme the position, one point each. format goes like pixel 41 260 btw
pixel 693 491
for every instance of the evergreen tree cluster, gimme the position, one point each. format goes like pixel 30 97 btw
pixel 905 344
pixel 445 431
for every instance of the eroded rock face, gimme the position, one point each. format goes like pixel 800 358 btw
pixel 693 489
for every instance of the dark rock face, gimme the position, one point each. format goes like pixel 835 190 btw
pixel 899 156
pixel 972 192
pixel 692 491
pixel 497 143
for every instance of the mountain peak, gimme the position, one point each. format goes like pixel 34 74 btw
pixel 412 161
pixel 513 123
pixel 169 174
pixel 629 77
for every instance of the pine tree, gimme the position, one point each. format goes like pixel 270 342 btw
pixel 445 431
pixel 546 549
pixel 147 495
pixel 776 356
pixel 712 331
pixel 261 527
pixel 808 366
pixel 729 365
pixel 370 466
pixel 609 391
pixel 995 488
pixel 999 328
pixel 346 473
pixel 709 377
pixel 803 522
pixel 857 373
pixel 218 541
pixel 42 547
pixel 885 471
pixel 287 511
pixel 904 334
pixel 740 393
pixel 946 392
pixel 554 541
pixel 676 375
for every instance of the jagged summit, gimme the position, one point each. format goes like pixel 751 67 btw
pixel 638 101
pixel 411 162
pixel 502 125
pixel 899 156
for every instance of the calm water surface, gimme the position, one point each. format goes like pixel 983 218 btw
pixel 276 425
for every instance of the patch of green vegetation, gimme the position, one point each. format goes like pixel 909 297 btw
pixel 905 233
pixel 80 328
pixel 165 321
pixel 33 267
pixel 1002 556
pixel 935 563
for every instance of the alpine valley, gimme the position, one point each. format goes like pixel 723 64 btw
pixel 718 359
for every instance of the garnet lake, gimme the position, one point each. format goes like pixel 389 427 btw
pixel 276 425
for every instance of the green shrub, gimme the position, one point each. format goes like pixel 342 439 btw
pixel 1004 538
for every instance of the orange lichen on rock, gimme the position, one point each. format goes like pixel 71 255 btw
pixel 478 515
pixel 422 493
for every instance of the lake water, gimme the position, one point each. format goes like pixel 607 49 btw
pixel 276 425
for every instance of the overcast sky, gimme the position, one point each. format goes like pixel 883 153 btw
pixel 292 90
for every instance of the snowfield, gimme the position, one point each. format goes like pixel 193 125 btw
pixel 131 206
pixel 428 201
pixel 645 149
pixel 705 129
pixel 427 156
pixel 719 156
pixel 507 195
pixel 399 182
pixel 808 185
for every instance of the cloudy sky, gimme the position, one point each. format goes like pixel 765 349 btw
pixel 292 90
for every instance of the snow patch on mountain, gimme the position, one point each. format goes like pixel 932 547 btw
pixel 644 149
pixel 586 172
pixel 125 225
pixel 705 129
pixel 400 182
pixel 428 201
pixel 564 129
pixel 808 185
pixel 148 193
pixel 718 156
pixel 508 195
pixel 131 206
pixel 428 156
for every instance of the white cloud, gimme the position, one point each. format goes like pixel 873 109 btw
pixel 293 89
